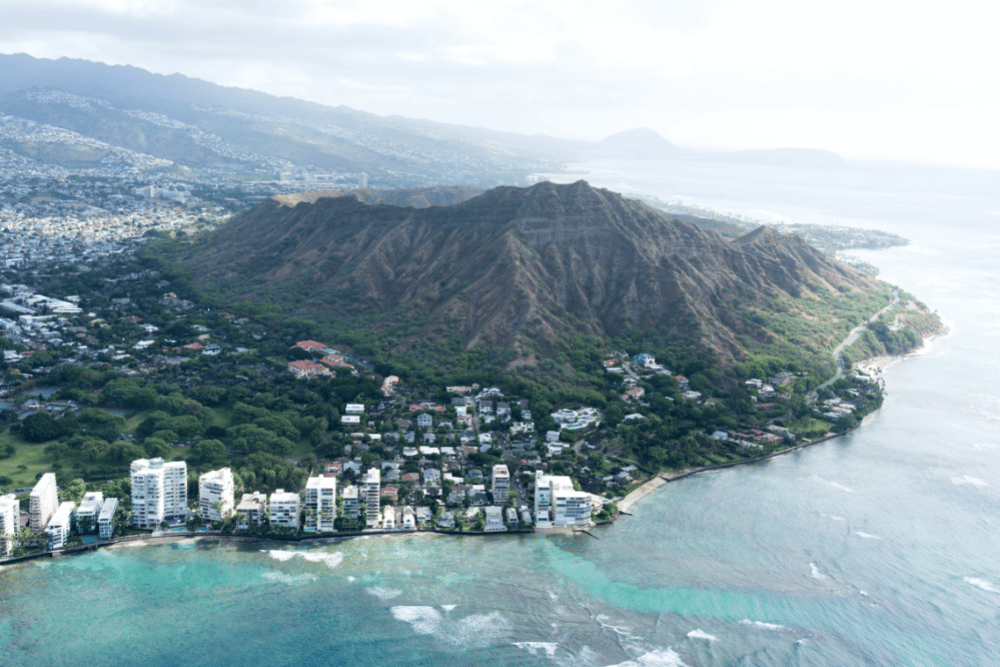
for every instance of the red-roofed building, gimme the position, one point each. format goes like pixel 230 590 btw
pixel 335 361
pixel 194 346
pixel 305 369
pixel 411 477
pixel 312 346
pixel 634 394
pixel 390 492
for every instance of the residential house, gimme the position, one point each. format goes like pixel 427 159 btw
pixel 494 519
pixel 251 510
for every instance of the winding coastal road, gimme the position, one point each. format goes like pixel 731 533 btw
pixel 851 337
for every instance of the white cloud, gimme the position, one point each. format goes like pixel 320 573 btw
pixel 886 78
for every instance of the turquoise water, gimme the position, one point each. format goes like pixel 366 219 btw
pixel 875 549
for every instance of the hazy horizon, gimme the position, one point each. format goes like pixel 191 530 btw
pixel 885 81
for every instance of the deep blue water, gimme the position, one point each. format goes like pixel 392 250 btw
pixel 879 548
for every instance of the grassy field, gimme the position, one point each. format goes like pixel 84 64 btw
pixel 27 462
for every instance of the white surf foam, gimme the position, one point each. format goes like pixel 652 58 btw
pixel 771 627
pixel 331 560
pixel 981 584
pixel 841 487
pixel 534 648
pixel 838 518
pixel 471 631
pixel 289 579
pixel 352 579
pixel 968 479
pixel 816 574
pixel 701 634
pixel 383 593
pixel 448 607
pixel 423 620
pixel 659 658
pixel 867 536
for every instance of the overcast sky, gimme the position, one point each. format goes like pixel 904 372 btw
pixel 907 80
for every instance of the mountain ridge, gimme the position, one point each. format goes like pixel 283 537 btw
pixel 516 269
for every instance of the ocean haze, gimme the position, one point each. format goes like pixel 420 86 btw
pixel 871 549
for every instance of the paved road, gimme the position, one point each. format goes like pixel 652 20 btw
pixel 851 337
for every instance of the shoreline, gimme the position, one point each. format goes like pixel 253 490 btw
pixel 872 366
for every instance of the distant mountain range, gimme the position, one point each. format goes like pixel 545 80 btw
pixel 520 269
pixel 182 123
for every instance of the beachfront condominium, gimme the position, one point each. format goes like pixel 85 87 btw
pixel 88 511
pixel 351 504
pixel 321 504
pixel 106 519
pixel 558 504
pixel 501 483
pixel 59 525
pixel 372 483
pixel 43 502
pixel 159 492
pixel 10 522
pixel 284 509
pixel 251 510
pixel 215 495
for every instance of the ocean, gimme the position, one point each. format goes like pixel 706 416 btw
pixel 878 548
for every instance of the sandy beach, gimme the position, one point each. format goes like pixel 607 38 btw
pixel 628 502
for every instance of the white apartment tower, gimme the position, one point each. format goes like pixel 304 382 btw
pixel 284 509
pixel 44 500
pixel 373 484
pixel 59 525
pixel 558 504
pixel 106 519
pixel 10 522
pixel 159 492
pixel 215 495
pixel 88 512
pixel 501 483
pixel 321 504
pixel 351 505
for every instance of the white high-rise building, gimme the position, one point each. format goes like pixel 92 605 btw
pixel 284 509
pixel 88 511
pixel 558 504
pixel 159 492
pixel 501 483
pixel 373 484
pixel 10 522
pixel 106 520
pixel 351 504
pixel 59 525
pixel 215 495
pixel 321 504
pixel 44 500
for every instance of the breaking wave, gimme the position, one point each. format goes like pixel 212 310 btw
pixel 534 648
pixel 771 627
pixel 476 630
pixel 981 584
pixel 383 593
pixel 330 560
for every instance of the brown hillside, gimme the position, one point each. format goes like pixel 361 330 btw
pixel 540 261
